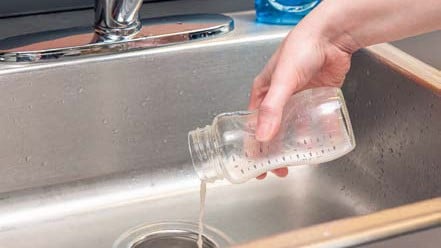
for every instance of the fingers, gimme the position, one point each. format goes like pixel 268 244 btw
pixel 261 176
pixel 280 172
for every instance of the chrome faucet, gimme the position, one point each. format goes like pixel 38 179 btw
pixel 117 19
pixel 118 28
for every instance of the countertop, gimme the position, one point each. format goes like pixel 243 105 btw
pixel 426 47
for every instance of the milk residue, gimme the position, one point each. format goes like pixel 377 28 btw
pixel 203 191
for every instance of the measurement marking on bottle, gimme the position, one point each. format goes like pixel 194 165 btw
pixel 296 144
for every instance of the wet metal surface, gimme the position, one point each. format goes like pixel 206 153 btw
pixel 93 148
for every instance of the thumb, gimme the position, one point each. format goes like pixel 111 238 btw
pixel 271 109
pixel 291 74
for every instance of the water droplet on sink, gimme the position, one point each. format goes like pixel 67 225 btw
pixel 164 141
pixel 144 103
pixel 44 163
pixel 115 131
pixel 80 90
pixel 28 159
pixel 105 121
pixel 181 92
pixel 391 150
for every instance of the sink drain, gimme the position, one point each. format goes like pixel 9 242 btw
pixel 172 239
pixel 171 235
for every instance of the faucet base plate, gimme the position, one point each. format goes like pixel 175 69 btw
pixel 84 41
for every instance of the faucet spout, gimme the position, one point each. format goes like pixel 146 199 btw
pixel 117 19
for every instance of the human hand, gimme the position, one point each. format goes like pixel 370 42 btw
pixel 317 52
pixel 299 63
pixel 304 60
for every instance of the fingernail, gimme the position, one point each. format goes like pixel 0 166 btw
pixel 264 131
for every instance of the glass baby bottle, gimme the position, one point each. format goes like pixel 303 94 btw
pixel 315 129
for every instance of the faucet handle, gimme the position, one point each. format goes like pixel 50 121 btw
pixel 117 19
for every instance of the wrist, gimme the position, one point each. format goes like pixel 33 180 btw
pixel 351 25
pixel 329 23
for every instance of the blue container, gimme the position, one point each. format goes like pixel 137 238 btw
pixel 283 11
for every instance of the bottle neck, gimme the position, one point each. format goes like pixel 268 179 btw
pixel 204 154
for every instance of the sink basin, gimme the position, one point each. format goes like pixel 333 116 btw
pixel 94 147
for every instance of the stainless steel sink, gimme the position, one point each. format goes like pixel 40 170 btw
pixel 94 147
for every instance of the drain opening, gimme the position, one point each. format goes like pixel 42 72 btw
pixel 173 239
pixel 177 234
